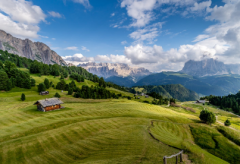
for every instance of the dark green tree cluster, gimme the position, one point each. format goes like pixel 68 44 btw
pixel 227 123
pixel 41 87
pixel 94 93
pixel 207 117
pixel 229 103
pixel 57 95
pixel 35 67
pixel 77 77
pixel 17 60
pixel 10 77
pixel 160 101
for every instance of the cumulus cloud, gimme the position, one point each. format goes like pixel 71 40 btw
pixel 55 14
pixel 85 3
pixel 79 58
pixel 85 49
pixel 20 18
pixel 71 48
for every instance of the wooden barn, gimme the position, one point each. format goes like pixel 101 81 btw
pixel 44 93
pixel 48 104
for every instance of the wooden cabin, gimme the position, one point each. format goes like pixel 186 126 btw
pixel 44 93
pixel 48 104
pixel 201 101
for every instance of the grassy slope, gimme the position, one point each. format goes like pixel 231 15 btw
pixel 94 131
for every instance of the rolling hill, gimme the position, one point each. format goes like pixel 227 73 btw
pixel 211 85
pixel 176 91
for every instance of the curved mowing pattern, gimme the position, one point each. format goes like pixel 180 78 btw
pixel 172 134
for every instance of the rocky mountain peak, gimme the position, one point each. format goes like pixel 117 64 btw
pixel 206 67
pixel 114 69
pixel 29 49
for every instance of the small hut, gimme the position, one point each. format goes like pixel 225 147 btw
pixel 48 104
pixel 200 101
pixel 44 93
pixel 146 96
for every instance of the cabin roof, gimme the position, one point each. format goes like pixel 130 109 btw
pixel 201 101
pixel 49 102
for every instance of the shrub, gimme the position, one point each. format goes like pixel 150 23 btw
pixel 23 97
pixel 57 95
pixel 70 91
pixel 41 87
pixel 47 84
pixel 207 117
pixel 227 123
pixel 146 101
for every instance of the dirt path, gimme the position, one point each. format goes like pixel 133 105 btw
pixel 223 124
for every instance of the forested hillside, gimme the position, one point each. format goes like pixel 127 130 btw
pixel 175 91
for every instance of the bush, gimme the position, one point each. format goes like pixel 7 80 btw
pixel 227 123
pixel 57 95
pixel 207 117
pixel 41 87
pixel 23 97
pixel 146 101
pixel 47 84
pixel 70 91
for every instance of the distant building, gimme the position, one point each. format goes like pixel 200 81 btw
pixel 146 96
pixel 201 101
pixel 142 94
pixel 44 93
pixel 48 104
pixel 138 97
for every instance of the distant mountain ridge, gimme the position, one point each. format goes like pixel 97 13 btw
pixel 209 67
pixel 107 70
pixel 31 50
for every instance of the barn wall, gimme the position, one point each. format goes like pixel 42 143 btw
pixel 52 107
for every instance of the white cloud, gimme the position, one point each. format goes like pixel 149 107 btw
pixel 113 14
pixel 18 29
pixel 78 58
pixel 55 14
pixel 53 38
pixel 149 33
pixel 43 36
pixel 200 37
pixel 71 48
pixel 85 49
pixel 124 42
pixel 20 18
pixel 140 11
pixel 85 3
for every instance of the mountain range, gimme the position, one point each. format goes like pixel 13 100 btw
pixel 107 70
pixel 29 49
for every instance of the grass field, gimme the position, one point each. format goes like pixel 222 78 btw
pixel 103 131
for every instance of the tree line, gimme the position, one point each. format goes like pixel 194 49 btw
pixel 9 63
pixel 229 103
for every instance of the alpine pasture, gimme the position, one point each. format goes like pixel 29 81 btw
pixel 107 130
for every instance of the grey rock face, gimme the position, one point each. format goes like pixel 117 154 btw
pixel 114 69
pixel 207 67
pixel 32 50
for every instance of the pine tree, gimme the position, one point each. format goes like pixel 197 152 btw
pixel 47 84
pixel 9 85
pixel 27 84
pixel 70 91
pixel 23 97
pixel 41 87
pixel 3 80
pixel 33 82
pixel 57 95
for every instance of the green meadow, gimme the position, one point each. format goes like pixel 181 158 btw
pixel 110 131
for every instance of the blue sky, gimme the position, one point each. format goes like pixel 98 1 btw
pixel 156 34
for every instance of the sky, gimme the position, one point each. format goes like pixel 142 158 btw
pixel 158 35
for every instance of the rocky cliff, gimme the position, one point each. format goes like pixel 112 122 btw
pixel 32 50
pixel 114 69
pixel 207 67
